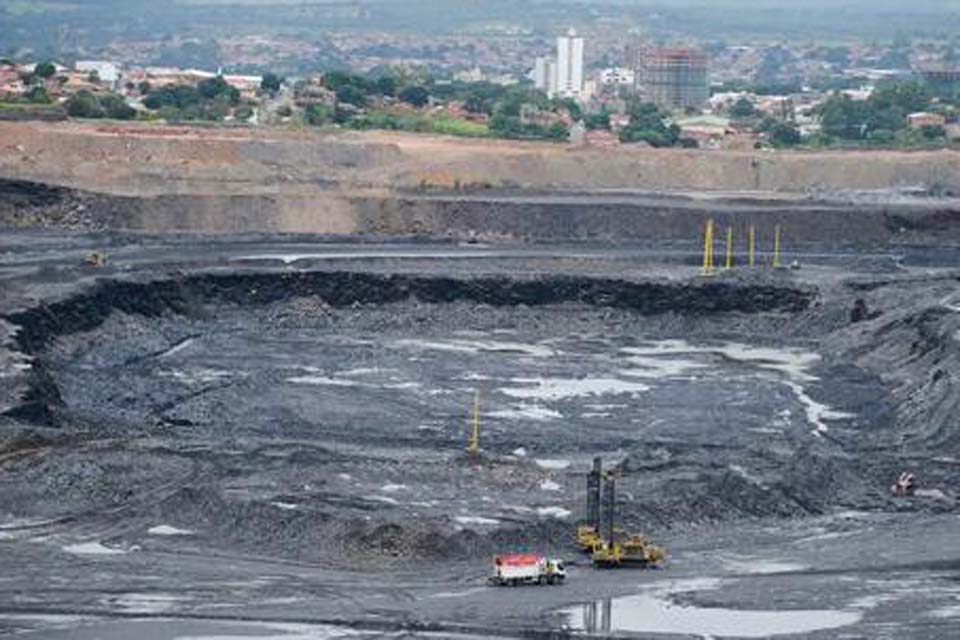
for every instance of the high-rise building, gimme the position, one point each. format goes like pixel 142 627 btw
pixel 673 78
pixel 569 70
pixel 544 74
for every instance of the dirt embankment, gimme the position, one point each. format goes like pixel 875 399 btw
pixel 212 180
pixel 145 160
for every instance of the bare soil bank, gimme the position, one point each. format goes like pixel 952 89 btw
pixel 159 179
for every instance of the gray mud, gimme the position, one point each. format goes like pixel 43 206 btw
pixel 237 446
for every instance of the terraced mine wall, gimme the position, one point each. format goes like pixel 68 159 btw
pixel 509 216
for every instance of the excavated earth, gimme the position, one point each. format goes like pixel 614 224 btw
pixel 263 436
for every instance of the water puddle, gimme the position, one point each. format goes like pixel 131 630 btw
pixel 167 530
pixel 665 359
pixel 654 612
pixel 526 412
pixel 480 346
pixel 561 388
pixel 476 521
pixel 92 549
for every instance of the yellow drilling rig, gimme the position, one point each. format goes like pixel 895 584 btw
pixel 610 547
pixel 588 533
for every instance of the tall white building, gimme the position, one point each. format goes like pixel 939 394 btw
pixel 569 71
pixel 544 74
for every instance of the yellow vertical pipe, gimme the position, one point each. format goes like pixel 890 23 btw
pixel 751 244
pixel 710 247
pixel 473 446
pixel 776 247
pixel 729 262
pixel 707 247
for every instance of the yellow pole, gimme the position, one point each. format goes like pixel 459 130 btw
pixel 751 243
pixel 473 445
pixel 729 247
pixel 776 247
pixel 708 248
pixel 706 253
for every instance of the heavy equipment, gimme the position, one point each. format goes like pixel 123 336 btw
pixel 611 552
pixel 96 259
pixel 588 533
pixel 513 569
pixel 905 485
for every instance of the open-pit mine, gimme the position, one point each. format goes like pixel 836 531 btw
pixel 236 397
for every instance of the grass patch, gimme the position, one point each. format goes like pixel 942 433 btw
pixel 419 123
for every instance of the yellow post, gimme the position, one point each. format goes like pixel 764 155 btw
pixel 473 444
pixel 729 247
pixel 751 244
pixel 776 247
pixel 708 248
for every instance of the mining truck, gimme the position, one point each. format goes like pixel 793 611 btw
pixel 514 569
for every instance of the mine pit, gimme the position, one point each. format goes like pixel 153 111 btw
pixel 289 439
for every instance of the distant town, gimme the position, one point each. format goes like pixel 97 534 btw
pixel 902 94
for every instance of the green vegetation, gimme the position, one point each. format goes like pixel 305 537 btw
pixel 884 112
pixel 742 109
pixel 88 105
pixel 440 124
pixel 45 70
pixel 649 124
pixel 781 134
pixel 596 121
pixel 516 112
pixel 212 99
pixel 415 95
pixel 270 83
pixel 37 95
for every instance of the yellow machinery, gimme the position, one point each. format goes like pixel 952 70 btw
pixel 615 550
pixel 588 533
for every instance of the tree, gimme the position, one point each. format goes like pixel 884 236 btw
pixel 933 132
pixel 576 113
pixel 243 113
pixel 558 131
pixel 350 94
pixel 84 104
pixel 596 121
pixel 784 135
pixel 271 83
pixel 416 95
pixel 843 117
pixel 743 108
pixel 907 96
pixel 318 114
pixel 45 70
pixel 144 87
pixel 38 95
pixel 212 88
pixel 179 96
pixel 386 85
pixel 482 97
pixel 648 124
pixel 115 107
